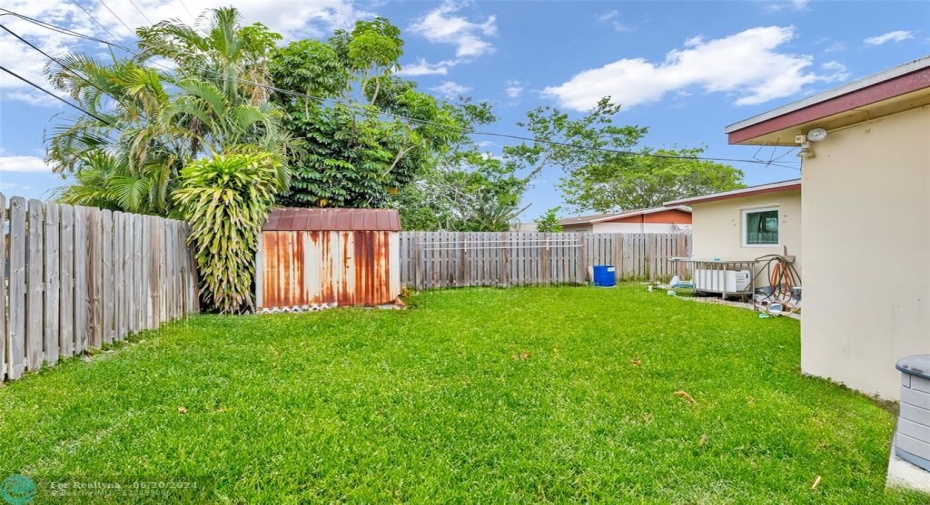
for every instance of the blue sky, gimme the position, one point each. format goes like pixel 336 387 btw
pixel 684 69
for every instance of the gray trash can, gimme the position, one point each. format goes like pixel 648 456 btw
pixel 912 440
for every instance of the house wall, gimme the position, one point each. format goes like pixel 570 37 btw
pixel 637 228
pixel 718 228
pixel 866 235
pixel 667 221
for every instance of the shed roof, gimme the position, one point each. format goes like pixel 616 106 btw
pixel 599 218
pixel 300 219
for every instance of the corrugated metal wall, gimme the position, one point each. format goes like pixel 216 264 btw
pixel 327 268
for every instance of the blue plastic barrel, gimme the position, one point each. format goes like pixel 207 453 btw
pixel 605 276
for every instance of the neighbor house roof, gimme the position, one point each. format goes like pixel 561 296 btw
pixel 762 189
pixel 298 219
pixel 894 90
pixel 599 218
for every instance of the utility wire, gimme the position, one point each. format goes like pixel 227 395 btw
pixel 75 2
pixel 140 12
pixel 56 60
pixel 459 129
pixel 61 30
pixel 117 17
pixel 63 64
pixel 56 97
pixel 188 10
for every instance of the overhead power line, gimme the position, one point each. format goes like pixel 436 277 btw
pixel 140 12
pixel 61 30
pixel 56 97
pixel 62 64
pixel 117 17
pixel 75 2
pixel 188 10
pixel 425 121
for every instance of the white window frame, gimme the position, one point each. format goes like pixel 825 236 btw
pixel 744 230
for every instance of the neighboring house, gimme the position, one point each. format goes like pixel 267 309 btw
pixel 866 222
pixel 524 227
pixel 747 223
pixel 657 220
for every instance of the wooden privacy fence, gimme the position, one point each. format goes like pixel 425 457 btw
pixel 454 259
pixel 75 278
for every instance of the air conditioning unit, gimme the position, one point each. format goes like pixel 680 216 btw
pixel 730 281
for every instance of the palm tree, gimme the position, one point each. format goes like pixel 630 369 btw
pixel 232 57
pixel 105 181
pixel 155 122
pixel 126 100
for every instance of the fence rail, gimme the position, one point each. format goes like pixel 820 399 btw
pixel 455 259
pixel 74 278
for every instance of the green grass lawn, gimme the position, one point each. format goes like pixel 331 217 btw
pixel 519 395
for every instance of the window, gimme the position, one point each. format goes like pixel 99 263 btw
pixel 760 227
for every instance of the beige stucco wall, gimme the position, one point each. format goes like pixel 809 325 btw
pixel 866 235
pixel 627 228
pixel 639 227
pixel 718 228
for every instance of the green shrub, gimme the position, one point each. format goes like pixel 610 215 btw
pixel 226 199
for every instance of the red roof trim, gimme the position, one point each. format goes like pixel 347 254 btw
pixel 891 88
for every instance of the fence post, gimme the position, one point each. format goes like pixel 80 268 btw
pixel 3 325
pixel 17 343
pixel 35 279
pixel 52 283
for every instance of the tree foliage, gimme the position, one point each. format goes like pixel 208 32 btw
pixel 367 133
pixel 604 167
pixel 549 222
pixel 636 182
pixel 470 191
pixel 150 122
pixel 226 199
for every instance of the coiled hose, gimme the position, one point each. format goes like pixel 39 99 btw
pixel 783 278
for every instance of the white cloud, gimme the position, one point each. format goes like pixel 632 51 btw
pixel 835 47
pixel 613 17
pixel 790 5
pixel 895 36
pixel 32 164
pixel 423 67
pixel 291 19
pixel 747 65
pixel 514 89
pixel 441 25
pixel 450 89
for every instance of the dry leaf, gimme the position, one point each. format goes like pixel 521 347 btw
pixel 648 417
pixel 635 361
pixel 182 410
pixel 685 396
pixel 816 483
pixel 704 439
pixel 522 356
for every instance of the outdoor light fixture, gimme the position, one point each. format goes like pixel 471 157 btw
pixel 817 134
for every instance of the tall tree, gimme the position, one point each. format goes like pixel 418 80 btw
pixel 471 191
pixel 152 122
pixel 605 168
pixel 648 180
pixel 367 133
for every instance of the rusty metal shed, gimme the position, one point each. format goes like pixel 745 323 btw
pixel 317 258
